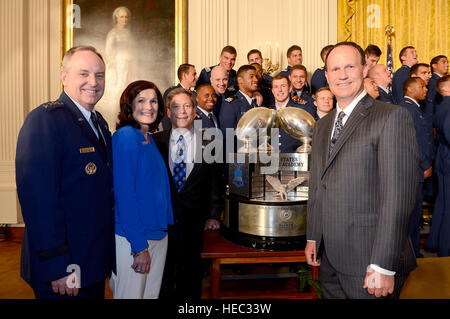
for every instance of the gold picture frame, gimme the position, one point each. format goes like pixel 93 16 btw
pixel 180 31
pixel 149 44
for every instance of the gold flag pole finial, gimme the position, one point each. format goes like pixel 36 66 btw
pixel 389 31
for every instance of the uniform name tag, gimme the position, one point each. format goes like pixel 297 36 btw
pixel 87 150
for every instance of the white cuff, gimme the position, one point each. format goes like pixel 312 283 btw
pixel 381 270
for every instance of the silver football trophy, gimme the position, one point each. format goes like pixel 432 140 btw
pixel 268 210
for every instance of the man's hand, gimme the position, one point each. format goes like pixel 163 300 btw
pixel 378 284
pixel 428 172
pixel 212 224
pixel 258 97
pixel 60 286
pixel 310 253
pixel 141 263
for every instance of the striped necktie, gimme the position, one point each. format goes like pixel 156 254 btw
pixel 179 167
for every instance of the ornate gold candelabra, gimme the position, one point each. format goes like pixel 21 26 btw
pixel 268 67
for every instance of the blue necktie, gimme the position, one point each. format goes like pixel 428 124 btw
pixel 179 167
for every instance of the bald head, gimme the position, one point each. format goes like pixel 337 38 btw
pixel 219 79
pixel 380 74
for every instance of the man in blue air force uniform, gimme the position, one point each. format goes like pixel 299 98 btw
pixel 65 186
pixel 227 60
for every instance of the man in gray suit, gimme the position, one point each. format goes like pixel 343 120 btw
pixel 363 182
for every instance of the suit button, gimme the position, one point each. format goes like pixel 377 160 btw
pixel 324 186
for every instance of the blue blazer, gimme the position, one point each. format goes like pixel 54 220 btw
pixel 64 184
pixel 205 77
pixel 439 237
pixel 433 96
pixel 424 135
pixel 402 74
pixel 141 188
pixel 288 144
pixel 287 72
pixel 318 80
pixel 232 110
pixel 385 97
pixel 307 105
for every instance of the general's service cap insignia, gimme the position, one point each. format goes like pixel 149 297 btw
pixel 90 168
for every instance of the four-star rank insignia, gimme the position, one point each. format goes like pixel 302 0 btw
pixel 90 168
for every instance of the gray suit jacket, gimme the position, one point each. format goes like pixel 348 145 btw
pixel 362 195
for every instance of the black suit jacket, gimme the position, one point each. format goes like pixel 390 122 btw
pixel 361 195
pixel 201 196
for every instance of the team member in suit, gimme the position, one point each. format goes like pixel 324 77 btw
pixel 318 79
pixel 362 187
pixel 439 68
pixel 299 93
pixel 408 58
pixel 227 60
pixel 196 197
pixel 323 101
pixel 187 75
pixel 64 183
pixel 235 106
pixel 206 101
pixel 382 77
pixel 142 192
pixel 371 88
pixel 372 55
pixel 281 87
pixel 416 91
pixel 439 236
pixel 255 56
pixel 421 70
pixel 219 82
pixel 295 57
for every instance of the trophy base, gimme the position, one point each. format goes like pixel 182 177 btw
pixel 266 225
pixel 266 243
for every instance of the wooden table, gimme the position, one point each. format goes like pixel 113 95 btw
pixel 221 251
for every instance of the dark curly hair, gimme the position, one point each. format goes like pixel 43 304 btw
pixel 125 116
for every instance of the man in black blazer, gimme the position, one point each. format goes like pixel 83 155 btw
pixel 196 197
pixel 364 177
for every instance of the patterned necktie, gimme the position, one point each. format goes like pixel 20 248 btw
pixel 337 130
pixel 100 136
pixel 179 167
pixel 254 104
pixel 213 119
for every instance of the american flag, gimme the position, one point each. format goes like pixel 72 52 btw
pixel 390 63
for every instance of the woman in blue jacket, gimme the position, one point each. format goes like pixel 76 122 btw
pixel 143 206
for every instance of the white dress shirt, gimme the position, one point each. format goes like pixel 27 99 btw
pixel 348 110
pixel 189 141
pixel 415 102
pixel 87 115
pixel 248 98
pixel 280 107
